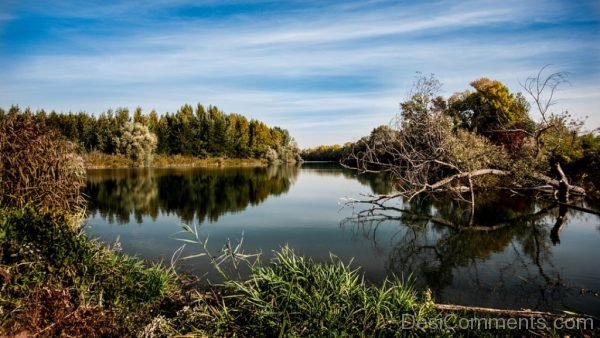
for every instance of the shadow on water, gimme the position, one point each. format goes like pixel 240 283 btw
pixel 200 194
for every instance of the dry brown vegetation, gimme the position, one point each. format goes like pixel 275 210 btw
pixel 54 312
pixel 97 160
pixel 38 167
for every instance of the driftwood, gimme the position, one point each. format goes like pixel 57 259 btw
pixel 501 312
pixel 577 207
pixel 562 185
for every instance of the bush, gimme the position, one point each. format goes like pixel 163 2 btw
pixel 271 155
pixel 137 142
pixel 38 167
pixel 469 151
pixel 50 268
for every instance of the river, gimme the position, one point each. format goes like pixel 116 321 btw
pixel 529 261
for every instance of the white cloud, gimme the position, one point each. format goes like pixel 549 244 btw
pixel 270 67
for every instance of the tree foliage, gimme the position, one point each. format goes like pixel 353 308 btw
pixel 492 110
pixel 326 152
pixel 136 142
pixel 193 131
pixel 457 144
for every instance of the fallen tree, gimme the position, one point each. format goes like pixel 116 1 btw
pixel 473 141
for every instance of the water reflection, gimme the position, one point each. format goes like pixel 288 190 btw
pixel 513 252
pixel 192 194
pixel 378 184
pixel 502 258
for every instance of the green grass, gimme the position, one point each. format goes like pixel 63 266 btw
pixel 295 296
pixel 48 266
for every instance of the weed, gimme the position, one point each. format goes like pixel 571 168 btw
pixel 47 263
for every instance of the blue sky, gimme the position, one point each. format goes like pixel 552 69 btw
pixel 327 71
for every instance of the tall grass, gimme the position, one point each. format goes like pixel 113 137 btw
pixel 300 297
pixel 296 296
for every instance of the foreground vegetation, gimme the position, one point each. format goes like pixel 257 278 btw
pixel 55 281
pixel 295 296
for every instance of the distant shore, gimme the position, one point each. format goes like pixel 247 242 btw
pixel 106 161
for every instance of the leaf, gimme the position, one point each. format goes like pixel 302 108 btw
pixel 187 240
pixel 194 256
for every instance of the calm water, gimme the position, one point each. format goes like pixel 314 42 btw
pixel 529 262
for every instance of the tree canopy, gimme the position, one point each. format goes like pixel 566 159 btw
pixel 476 139
pixel 194 131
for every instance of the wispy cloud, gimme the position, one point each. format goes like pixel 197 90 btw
pixel 328 72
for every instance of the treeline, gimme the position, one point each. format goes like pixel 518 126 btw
pixel 326 152
pixel 194 131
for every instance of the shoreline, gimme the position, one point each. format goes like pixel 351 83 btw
pixel 106 161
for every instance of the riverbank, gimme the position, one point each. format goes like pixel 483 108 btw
pixel 96 160
pixel 55 281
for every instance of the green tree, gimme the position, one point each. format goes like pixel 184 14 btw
pixel 239 134
pixel 137 142
pixel 259 138
pixel 562 141
pixel 218 141
pixel 106 130
pixel 139 117
pixel 492 111
pixel 185 122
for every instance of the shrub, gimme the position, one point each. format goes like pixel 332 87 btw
pixel 137 142
pixel 38 167
pixel 51 268
pixel 271 155
pixel 469 151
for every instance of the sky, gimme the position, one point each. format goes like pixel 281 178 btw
pixel 327 71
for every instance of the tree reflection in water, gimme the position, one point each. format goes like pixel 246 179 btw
pixel 440 245
pixel 192 194
pixel 378 183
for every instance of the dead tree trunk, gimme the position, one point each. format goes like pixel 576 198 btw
pixel 563 185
